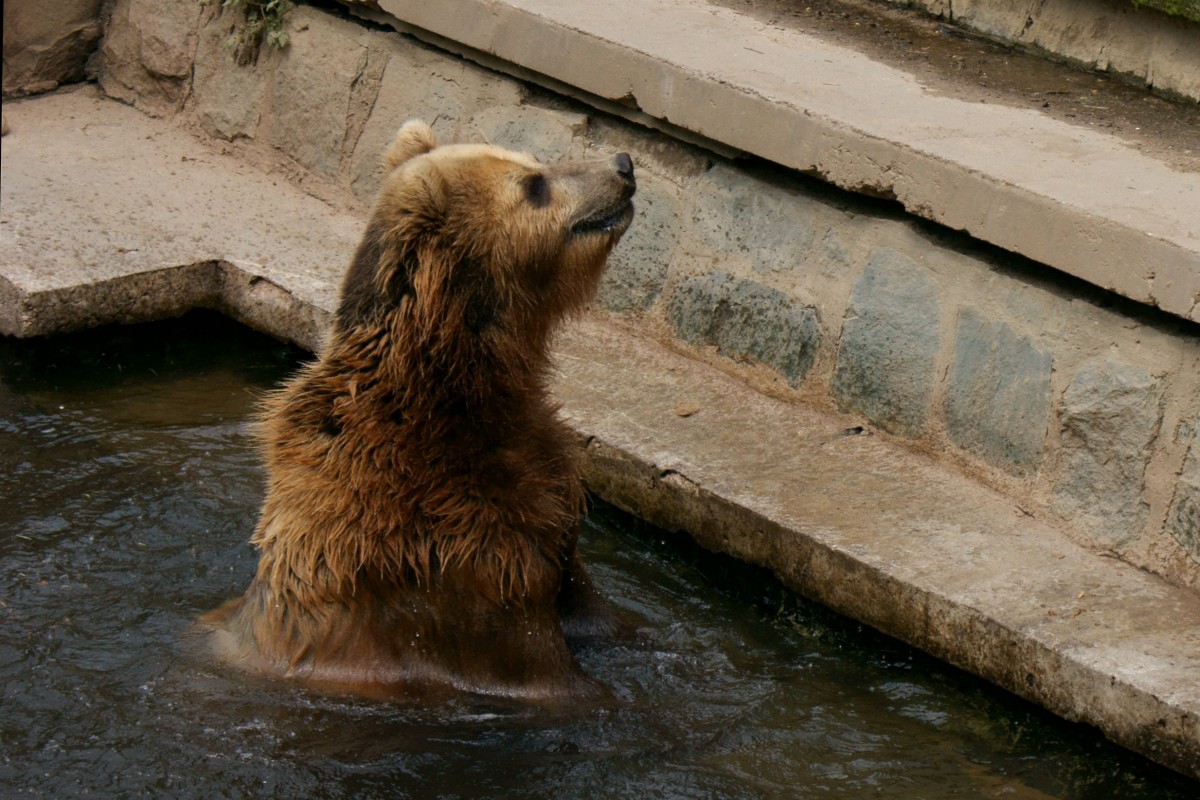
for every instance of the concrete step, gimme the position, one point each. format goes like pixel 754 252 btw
pixel 1081 201
pixel 89 235
pixel 1152 42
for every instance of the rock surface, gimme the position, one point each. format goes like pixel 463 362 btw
pixel 998 399
pixel 887 363
pixel 1111 414
pixel 47 42
pixel 747 320
pixel 147 52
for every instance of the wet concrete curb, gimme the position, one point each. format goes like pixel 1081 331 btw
pixel 879 533
pixel 1052 192
pixel 889 538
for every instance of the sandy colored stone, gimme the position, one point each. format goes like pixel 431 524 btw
pixel 139 223
pixel 230 98
pixel 314 85
pixel 146 55
pixel 47 42
pixel 1150 46
pixel 637 270
pixel 546 134
pixel 420 84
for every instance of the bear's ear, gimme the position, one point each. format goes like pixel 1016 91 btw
pixel 414 138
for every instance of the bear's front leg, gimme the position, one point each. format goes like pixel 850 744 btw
pixel 584 612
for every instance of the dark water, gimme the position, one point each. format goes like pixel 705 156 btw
pixel 128 488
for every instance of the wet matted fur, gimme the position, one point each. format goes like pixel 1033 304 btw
pixel 419 531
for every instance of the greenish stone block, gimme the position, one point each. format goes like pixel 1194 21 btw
pixel 637 268
pixel 738 214
pixel 887 361
pixel 1183 520
pixel 747 320
pixel 1109 417
pixel 998 398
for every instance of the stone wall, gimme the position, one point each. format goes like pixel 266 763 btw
pixel 1076 402
pixel 47 42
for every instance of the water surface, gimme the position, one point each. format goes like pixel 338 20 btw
pixel 129 488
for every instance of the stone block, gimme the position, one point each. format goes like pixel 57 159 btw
pixel 544 133
pixel 147 52
pixel 417 83
pixel 887 360
pixel 998 398
pixel 230 99
pixel 1183 520
pixel 637 268
pixel 833 255
pixel 747 320
pixel 47 42
pixel 1109 417
pixel 314 84
pixel 662 154
pixel 737 214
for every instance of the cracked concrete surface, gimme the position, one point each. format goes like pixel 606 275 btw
pixel 89 235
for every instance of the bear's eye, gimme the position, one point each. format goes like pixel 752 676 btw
pixel 537 190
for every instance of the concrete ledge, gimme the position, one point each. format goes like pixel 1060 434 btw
pixel 1135 38
pixel 909 546
pixel 128 234
pixel 888 538
pixel 1068 197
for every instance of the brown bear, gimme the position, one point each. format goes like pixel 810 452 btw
pixel 419 532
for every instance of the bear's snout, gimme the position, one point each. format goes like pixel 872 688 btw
pixel 624 166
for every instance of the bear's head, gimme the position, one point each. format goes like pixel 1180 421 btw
pixel 479 241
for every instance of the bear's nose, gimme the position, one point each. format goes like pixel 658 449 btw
pixel 624 165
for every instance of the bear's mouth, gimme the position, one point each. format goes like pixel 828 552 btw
pixel 607 220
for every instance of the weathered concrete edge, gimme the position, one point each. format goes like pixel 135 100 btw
pixel 1148 29
pixel 968 637
pixel 960 634
pixel 238 290
pixel 1089 246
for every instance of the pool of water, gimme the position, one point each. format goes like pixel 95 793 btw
pixel 129 488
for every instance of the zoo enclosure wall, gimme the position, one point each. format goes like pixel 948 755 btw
pixel 1079 402
pixel 1073 399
